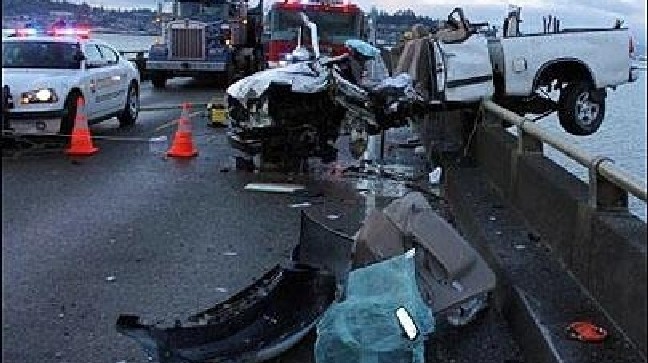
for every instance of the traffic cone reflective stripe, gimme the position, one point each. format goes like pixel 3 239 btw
pixel 81 140
pixel 183 145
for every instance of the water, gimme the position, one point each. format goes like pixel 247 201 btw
pixel 127 42
pixel 622 136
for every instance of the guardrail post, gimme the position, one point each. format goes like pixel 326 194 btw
pixel 526 143
pixel 603 194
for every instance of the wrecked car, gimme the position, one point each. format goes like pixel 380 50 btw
pixel 297 111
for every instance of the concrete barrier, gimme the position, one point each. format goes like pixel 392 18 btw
pixel 604 248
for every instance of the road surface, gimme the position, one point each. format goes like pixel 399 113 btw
pixel 130 231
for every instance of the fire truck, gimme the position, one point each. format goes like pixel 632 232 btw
pixel 218 39
pixel 336 22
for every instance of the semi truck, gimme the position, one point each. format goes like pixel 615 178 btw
pixel 208 39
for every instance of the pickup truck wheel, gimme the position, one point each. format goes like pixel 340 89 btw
pixel 69 114
pixel 158 81
pixel 581 109
pixel 131 109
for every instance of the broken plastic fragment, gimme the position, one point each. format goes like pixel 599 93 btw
pixel 435 175
pixel 300 205
pixel 111 278
pixel 274 187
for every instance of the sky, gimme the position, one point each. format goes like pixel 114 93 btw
pixel 572 13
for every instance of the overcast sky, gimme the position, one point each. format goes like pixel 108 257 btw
pixel 573 13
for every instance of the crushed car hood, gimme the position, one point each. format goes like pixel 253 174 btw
pixel 306 77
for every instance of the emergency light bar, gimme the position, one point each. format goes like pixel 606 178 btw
pixel 83 33
pixel 25 32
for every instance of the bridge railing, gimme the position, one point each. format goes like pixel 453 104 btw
pixel 609 185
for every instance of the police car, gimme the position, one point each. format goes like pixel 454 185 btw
pixel 44 75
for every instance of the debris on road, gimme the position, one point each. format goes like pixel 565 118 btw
pixel 365 327
pixel 300 205
pixel 333 216
pixel 263 320
pixel 410 222
pixel 274 187
pixel 221 289
pixel 230 254
pixel 435 175
pixel 111 278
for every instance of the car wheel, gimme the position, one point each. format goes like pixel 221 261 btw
pixel 69 113
pixel 581 109
pixel 158 81
pixel 131 109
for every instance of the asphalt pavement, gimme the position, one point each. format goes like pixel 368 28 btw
pixel 129 230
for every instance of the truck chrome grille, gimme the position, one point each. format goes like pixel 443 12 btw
pixel 187 43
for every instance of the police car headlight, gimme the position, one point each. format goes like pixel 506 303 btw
pixel 42 95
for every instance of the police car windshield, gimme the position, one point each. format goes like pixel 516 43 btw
pixel 40 54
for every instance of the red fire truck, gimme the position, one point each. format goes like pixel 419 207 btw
pixel 336 22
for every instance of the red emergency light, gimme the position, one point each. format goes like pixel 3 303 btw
pixel 79 32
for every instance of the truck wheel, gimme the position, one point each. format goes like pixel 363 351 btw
pixel 69 113
pixel 158 81
pixel 581 109
pixel 131 109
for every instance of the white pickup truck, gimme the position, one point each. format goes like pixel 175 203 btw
pixel 520 71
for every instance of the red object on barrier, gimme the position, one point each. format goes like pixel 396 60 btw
pixel 183 145
pixel 81 140
pixel 586 332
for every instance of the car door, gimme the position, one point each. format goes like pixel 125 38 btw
pixel 468 74
pixel 95 81
pixel 117 83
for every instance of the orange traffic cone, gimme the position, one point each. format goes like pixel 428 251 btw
pixel 81 141
pixel 183 145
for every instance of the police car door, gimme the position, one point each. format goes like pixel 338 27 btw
pixel 96 81
pixel 117 82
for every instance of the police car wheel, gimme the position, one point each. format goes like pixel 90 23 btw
pixel 69 113
pixel 131 109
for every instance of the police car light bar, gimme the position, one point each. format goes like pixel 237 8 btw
pixel 24 32
pixel 84 33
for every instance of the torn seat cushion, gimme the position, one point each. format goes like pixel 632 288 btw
pixel 448 270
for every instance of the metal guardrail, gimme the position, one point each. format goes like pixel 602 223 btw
pixel 605 178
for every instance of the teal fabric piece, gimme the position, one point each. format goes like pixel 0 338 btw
pixel 364 328
pixel 362 47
